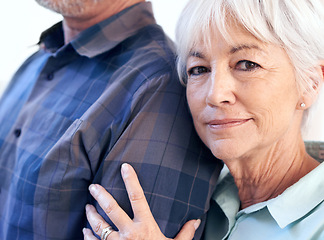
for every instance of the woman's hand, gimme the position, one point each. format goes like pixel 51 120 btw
pixel 143 226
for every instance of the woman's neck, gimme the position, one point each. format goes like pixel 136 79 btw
pixel 269 174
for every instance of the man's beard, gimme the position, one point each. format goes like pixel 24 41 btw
pixel 67 8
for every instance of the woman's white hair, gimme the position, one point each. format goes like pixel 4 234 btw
pixel 295 25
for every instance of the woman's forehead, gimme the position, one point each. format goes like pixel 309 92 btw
pixel 237 38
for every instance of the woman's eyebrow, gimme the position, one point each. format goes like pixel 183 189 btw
pixel 196 54
pixel 243 47
pixel 232 51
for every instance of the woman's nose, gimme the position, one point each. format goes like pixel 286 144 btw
pixel 221 89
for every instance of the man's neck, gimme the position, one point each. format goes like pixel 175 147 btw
pixel 73 25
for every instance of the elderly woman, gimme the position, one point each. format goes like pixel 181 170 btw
pixel 252 69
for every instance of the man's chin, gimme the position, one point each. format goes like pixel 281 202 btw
pixel 72 8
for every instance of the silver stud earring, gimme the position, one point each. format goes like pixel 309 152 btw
pixel 302 105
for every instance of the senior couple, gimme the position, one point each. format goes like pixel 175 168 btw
pixel 252 71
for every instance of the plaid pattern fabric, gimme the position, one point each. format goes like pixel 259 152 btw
pixel 315 149
pixel 73 114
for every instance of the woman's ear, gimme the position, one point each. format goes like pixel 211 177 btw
pixel 321 80
pixel 318 82
pixel 310 96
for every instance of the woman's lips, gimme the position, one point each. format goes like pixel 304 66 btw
pixel 226 123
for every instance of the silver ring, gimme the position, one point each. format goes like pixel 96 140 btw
pixel 106 232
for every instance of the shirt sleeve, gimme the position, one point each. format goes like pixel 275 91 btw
pixel 153 131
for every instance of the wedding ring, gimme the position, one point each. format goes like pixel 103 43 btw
pixel 106 232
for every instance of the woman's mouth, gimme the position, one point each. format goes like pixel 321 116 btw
pixel 226 123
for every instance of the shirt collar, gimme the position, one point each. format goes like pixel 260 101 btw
pixel 294 203
pixel 105 35
pixel 226 196
pixel 299 199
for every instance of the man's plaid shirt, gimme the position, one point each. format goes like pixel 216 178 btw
pixel 74 113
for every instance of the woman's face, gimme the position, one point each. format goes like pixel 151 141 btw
pixel 242 95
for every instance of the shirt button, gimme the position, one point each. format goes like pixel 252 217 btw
pixel 50 76
pixel 17 132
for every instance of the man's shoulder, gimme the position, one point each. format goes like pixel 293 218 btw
pixel 152 42
pixel 148 52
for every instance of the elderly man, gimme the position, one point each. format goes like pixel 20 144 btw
pixel 101 90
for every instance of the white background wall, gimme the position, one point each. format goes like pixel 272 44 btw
pixel 22 21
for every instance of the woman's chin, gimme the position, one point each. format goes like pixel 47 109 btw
pixel 227 149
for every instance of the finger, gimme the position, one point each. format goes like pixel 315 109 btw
pixel 109 234
pixel 188 230
pixel 110 207
pixel 97 223
pixel 135 192
pixel 87 234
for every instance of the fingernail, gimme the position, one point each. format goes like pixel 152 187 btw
pixel 197 223
pixel 87 207
pixel 84 230
pixel 125 169
pixel 93 189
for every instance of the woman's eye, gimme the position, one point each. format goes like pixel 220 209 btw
pixel 245 65
pixel 197 70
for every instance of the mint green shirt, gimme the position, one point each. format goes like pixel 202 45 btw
pixel 297 214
